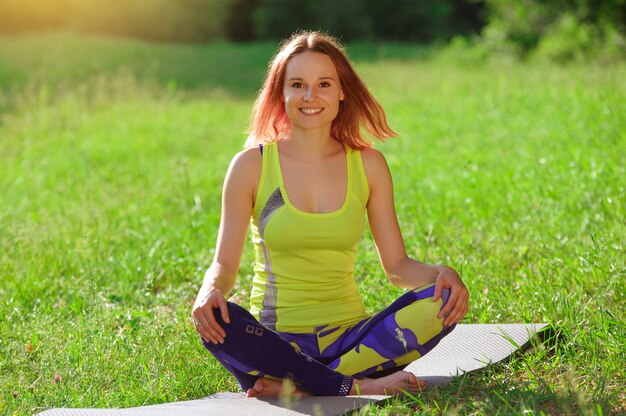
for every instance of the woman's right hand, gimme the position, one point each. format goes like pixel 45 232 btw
pixel 203 317
pixel 238 196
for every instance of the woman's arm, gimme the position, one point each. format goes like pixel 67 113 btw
pixel 237 201
pixel 402 270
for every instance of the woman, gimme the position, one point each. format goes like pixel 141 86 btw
pixel 305 181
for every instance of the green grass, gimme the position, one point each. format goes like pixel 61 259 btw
pixel 112 155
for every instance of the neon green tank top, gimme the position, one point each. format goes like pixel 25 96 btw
pixel 304 262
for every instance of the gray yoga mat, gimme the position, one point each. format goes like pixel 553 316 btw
pixel 467 348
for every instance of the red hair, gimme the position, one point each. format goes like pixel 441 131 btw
pixel 269 121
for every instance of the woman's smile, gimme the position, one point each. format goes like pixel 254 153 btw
pixel 311 111
pixel 311 92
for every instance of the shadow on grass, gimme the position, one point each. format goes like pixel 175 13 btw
pixel 512 386
pixel 481 394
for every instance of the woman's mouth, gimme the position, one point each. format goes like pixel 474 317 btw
pixel 311 111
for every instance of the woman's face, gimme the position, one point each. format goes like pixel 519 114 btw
pixel 311 91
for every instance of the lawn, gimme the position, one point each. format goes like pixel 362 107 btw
pixel 112 155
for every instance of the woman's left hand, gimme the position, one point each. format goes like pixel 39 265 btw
pixel 457 305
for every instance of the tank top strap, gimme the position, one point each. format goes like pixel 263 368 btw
pixel 269 182
pixel 358 185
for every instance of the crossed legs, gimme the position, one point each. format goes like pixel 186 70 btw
pixel 260 358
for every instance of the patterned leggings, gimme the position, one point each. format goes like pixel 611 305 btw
pixel 326 361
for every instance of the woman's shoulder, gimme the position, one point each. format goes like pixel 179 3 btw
pixel 247 160
pixel 374 162
pixel 376 169
pixel 245 168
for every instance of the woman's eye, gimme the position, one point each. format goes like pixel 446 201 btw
pixel 297 85
pixel 325 84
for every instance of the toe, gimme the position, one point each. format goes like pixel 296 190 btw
pixel 415 383
pixel 412 378
pixel 421 385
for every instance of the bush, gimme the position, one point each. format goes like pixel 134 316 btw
pixel 277 19
pixel 240 22
pixel 559 30
pixel 243 20
pixel 400 20
pixel 568 39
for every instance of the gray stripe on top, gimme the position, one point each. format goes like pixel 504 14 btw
pixel 267 314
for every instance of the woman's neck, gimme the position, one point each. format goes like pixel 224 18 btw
pixel 311 144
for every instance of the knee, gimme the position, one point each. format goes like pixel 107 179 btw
pixel 445 295
pixel 425 295
pixel 239 318
pixel 428 291
pixel 235 313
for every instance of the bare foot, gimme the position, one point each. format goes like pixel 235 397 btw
pixel 265 387
pixel 394 384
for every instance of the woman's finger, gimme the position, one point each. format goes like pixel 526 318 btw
pixel 212 323
pixel 202 331
pixel 208 312
pixel 438 289
pixel 459 311
pixel 215 336
pixel 448 312
pixel 452 300
pixel 204 334
pixel 224 311
pixel 209 334
pixel 209 327
pixel 202 326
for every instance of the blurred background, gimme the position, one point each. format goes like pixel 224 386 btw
pixel 558 29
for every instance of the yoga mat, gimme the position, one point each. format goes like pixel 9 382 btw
pixel 467 348
pixel 236 404
pixel 472 347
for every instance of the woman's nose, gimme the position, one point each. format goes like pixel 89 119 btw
pixel 309 94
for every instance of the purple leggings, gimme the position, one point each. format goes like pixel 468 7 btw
pixel 326 361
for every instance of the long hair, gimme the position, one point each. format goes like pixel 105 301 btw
pixel 270 123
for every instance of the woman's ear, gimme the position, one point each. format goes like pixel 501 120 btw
pixel 341 96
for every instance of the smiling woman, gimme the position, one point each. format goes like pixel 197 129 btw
pixel 306 189
pixel 270 121
pixel 311 92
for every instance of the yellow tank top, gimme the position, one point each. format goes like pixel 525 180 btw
pixel 304 262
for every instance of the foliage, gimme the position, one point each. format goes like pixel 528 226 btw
pixel 240 24
pixel 242 20
pixel 112 165
pixel 402 20
pixel 276 19
pixel 424 21
pixel 559 30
